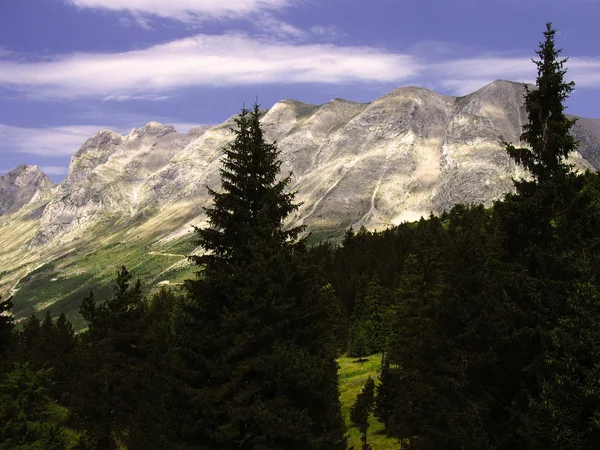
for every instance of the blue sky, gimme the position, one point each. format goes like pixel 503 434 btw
pixel 69 68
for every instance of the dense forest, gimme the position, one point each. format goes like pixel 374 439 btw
pixel 487 321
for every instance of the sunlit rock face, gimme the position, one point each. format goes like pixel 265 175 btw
pixel 106 177
pixel 22 186
pixel 405 155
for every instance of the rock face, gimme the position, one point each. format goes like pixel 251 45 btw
pixel 404 155
pixel 106 177
pixel 21 186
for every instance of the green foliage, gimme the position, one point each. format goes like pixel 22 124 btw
pixel 370 327
pixel 6 328
pixel 353 375
pixel 29 419
pixel 359 414
pixel 111 362
pixel 335 317
pixel 262 351
pixel 547 131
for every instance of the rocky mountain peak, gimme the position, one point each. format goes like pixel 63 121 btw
pixel 404 155
pixel 21 186
pixel 154 129
pixel 101 139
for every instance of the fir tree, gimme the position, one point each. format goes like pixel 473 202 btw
pixel 112 366
pixel 265 373
pixel 360 411
pixel 6 328
pixel 548 129
pixel 29 418
pixel 556 336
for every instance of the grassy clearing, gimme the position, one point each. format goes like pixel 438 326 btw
pixel 61 284
pixel 352 376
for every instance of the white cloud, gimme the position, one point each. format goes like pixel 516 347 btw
pixel 270 26
pixel 65 140
pixel 239 59
pixel 125 97
pixel 54 170
pixel 584 71
pixel 186 10
pixel 466 75
pixel 52 141
pixel 203 60
pixel 330 31
pixel 184 127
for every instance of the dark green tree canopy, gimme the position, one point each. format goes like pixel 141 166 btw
pixel 261 359
pixel 252 202
pixel 548 130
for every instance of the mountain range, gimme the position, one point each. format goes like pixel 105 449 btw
pixel 133 199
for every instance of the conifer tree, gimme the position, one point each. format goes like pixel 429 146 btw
pixel 112 363
pixel 29 418
pixel 265 373
pixel 360 411
pixel 552 347
pixel 548 129
pixel 6 327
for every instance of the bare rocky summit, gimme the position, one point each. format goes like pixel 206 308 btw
pixel 21 186
pixel 402 156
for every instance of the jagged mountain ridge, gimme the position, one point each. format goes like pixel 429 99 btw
pixel 406 154
pixel 21 186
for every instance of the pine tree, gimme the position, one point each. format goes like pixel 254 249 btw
pixel 555 338
pixel 265 373
pixel 29 418
pixel 112 366
pixel 6 328
pixel 384 399
pixel 360 411
pixel 548 129
pixel 368 318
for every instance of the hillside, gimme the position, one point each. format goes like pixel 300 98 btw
pixel 133 199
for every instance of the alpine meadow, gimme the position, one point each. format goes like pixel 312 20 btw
pixel 462 314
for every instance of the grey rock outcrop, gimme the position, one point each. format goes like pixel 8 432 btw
pixel 105 179
pixel 400 157
pixel 21 186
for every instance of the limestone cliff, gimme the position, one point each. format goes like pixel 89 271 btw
pixel 21 186
pixel 402 156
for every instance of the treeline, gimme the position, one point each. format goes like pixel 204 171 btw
pixel 487 320
pixel 242 358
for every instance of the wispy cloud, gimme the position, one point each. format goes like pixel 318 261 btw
pixel 63 140
pixel 227 60
pixel 329 31
pixel 54 170
pixel 465 75
pixel 203 60
pixel 186 10
pixel 50 142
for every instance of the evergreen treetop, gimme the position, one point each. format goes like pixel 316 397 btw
pixel 260 358
pixel 252 202
pixel 548 129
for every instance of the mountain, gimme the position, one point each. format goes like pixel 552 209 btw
pixel 132 199
pixel 22 185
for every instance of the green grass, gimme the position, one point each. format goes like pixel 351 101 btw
pixel 61 284
pixel 352 376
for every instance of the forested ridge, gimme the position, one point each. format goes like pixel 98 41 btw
pixel 487 321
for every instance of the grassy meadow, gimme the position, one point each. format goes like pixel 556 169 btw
pixel 352 376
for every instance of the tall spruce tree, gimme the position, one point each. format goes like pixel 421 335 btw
pixel 555 339
pixel 110 390
pixel 6 328
pixel 360 411
pixel 263 373
pixel 548 129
